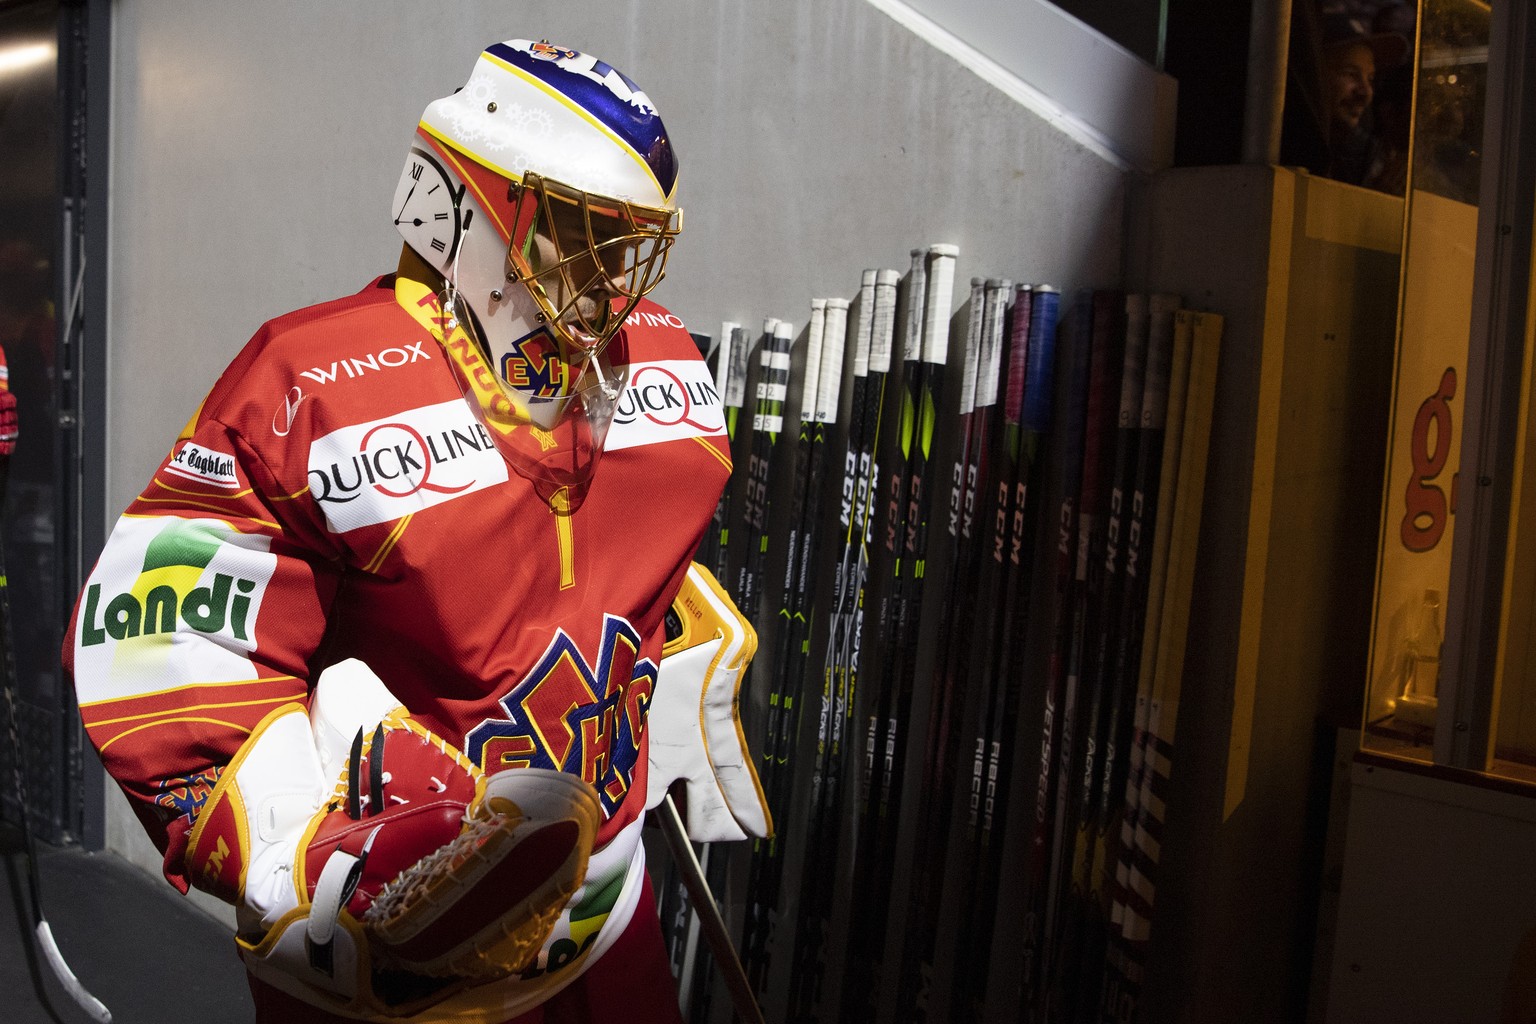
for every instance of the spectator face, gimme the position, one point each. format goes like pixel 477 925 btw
pixel 1351 77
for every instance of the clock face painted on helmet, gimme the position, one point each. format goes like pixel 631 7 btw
pixel 427 208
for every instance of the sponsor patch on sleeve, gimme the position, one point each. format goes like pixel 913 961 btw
pixel 160 584
pixel 666 401
pixel 205 466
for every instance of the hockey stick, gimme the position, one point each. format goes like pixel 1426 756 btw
pixel 941 751
pixel 1074 758
pixel 1122 978
pixel 41 932
pixel 873 337
pixel 999 676
pixel 768 421
pixel 861 965
pixel 710 920
pixel 1076 350
pixel 906 538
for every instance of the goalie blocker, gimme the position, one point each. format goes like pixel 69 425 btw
pixel 695 734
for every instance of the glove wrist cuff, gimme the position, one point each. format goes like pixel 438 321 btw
pixel 243 840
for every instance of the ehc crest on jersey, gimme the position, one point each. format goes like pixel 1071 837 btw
pixel 575 715
pixel 385 469
pixel 666 401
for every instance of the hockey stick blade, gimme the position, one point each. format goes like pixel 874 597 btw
pixel 94 1007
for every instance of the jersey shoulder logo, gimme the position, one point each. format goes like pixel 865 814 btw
pixel 204 465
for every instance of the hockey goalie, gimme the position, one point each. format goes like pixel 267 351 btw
pixel 380 654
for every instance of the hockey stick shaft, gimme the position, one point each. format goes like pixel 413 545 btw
pixel 1018 502
pixel 1074 756
pixel 710 919
pixel 772 394
pixel 870 894
pixel 820 400
pixel 967 578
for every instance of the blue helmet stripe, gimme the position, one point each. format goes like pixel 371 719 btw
pixel 640 130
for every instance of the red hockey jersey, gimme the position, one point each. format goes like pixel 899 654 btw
pixel 336 497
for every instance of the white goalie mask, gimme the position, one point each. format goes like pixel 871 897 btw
pixel 544 194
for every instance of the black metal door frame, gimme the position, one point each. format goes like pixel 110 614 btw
pixel 55 307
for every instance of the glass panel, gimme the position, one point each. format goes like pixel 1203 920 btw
pixel 1514 730
pixel 29 232
pixel 1403 700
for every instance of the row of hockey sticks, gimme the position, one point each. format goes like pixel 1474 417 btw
pixel 1120 625
pixel 941 751
pixel 692 965
pixel 1088 742
pixel 797 504
pixel 1092 617
pixel 1074 665
pixel 895 705
pixel 871 327
pixel 908 451
pixel 997 677
pixel 820 394
pixel 897 578
pixel 1113 635
pixel 743 513
pixel 1192 391
pixel 1080 808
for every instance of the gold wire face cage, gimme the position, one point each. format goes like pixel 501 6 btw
pixel 586 258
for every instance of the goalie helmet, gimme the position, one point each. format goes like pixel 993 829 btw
pixel 544 194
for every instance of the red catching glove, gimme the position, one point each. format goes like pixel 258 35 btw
pixel 409 877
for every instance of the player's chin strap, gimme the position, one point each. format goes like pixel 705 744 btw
pixel 694 738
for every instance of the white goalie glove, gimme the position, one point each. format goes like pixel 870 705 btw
pixel 695 734
pixel 374 869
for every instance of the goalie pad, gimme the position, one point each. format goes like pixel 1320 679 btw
pixel 694 729
pixel 408 878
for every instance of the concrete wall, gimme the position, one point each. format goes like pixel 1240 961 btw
pixel 255 149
